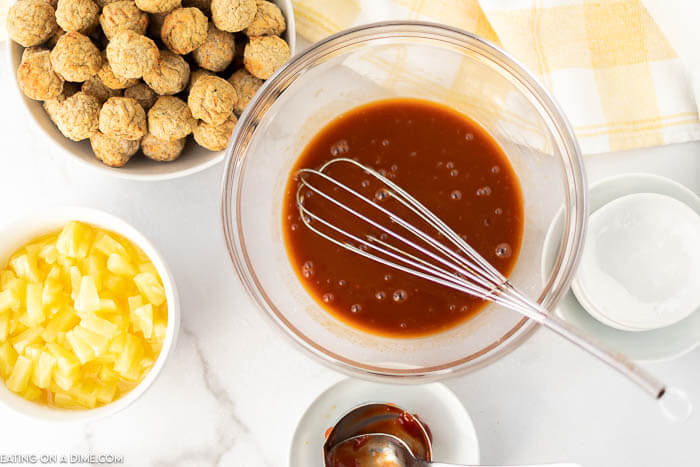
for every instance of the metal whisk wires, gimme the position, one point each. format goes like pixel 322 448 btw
pixel 426 247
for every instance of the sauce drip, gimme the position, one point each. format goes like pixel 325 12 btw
pixel 447 162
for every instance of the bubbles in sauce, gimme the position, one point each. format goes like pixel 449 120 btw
pixel 399 296
pixel 456 195
pixel 339 148
pixel 483 191
pixel 504 250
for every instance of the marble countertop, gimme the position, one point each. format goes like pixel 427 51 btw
pixel 234 388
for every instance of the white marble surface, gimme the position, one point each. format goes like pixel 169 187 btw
pixel 234 388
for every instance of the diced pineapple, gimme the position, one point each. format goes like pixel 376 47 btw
pixel 85 394
pixel 5 277
pixel 49 253
pixel 34 315
pixel 30 336
pixel 132 351
pixel 99 326
pixel 17 290
pixel 4 325
pixel 62 321
pixel 65 381
pixel 74 240
pixel 108 375
pixel 62 400
pixel 97 343
pixel 107 305
pixel 19 378
pixel 8 301
pixel 33 351
pixel 95 267
pixel 108 245
pixel 75 280
pixel 88 300
pixel 25 268
pixel 148 267
pixel 43 370
pixel 80 348
pixel 135 302
pixel 106 392
pixel 143 320
pixel 117 345
pixel 119 285
pixel 66 361
pixel 133 373
pixel 8 357
pixel 150 287
pixel 119 265
pixel 31 392
pixel 53 287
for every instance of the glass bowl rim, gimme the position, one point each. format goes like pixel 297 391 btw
pixel 576 197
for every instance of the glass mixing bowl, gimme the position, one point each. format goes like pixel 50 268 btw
pixel 378 61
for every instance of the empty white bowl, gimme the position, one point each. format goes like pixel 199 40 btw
pixel 18 233
pixel 194 158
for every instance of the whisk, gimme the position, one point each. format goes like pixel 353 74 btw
pixel 444 257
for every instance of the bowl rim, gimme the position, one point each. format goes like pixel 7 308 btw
pixel 124 172
pixel 576 198
pixel 58 216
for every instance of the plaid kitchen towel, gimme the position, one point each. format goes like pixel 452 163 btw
pixel 608 64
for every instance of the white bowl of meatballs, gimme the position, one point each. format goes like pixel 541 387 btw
pixel 145 89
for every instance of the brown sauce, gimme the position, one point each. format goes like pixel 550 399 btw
pixel 447 162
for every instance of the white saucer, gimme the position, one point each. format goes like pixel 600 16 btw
pixel 454 437
pixel 655 345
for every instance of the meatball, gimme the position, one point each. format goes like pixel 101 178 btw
pixel 215 137
pixel 52 106
pixel 268 21
pixel 162 150
pixel 122 117
pixel 212 99
pixel 144 95
pixel 265 54
pixel 158 6
pixel 195 75
pixel 96 88
pixel 36 77
pixel 184 30
pixel 29 51
pixel 78 116
pixel 114 152
pixel 217 51
pixel 170 75
pixel 77 15
pixel 75 57
pixel 31 22
pixel 123 15
pixel 246 85
pixel 111 80
pixel 170 119
pixel 233 15
pixel 131 54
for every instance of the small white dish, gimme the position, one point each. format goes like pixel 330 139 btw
pixel 17 233
pixel 454 437
pixel 194 158
pixel 653 345
pixel 640 269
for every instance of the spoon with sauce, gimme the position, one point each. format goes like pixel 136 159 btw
pixel 382 450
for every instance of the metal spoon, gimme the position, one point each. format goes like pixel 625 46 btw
pixel 381 450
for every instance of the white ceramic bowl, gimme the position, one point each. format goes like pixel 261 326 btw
pixel 194 158
pixel 17 233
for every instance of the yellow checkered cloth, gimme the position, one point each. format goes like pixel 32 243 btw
pixel 608 64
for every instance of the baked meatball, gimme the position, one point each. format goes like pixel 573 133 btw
pixel 31 22
pixel 123 15
pixel 144 95
pixel 162 150
pixel 158 6
pixel 36 77
pixel 78 116
pixel 215 137
pixel 265 54
pixel 96 88
pixel 77 15
pixel 233 15
pixel 246 85
pixel 131 54
pixel 184 29
pixel 52 106
pixel 217 51
pixel 170 119
pixel 114 152
pixel 111 80
pixel 268 21
pixel 170 75
pixel 212 99
pixel 195 75
pixel 122 117
pixel 29 51
pixel 75 57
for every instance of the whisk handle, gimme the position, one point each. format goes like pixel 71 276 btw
pixel 616 360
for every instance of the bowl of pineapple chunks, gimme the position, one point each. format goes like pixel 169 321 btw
pixel 88 315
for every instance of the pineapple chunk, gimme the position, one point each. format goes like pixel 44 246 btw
pixel 19 378
pixel 49 253
pixel 4 325
pixel 66 361
pixel 53 288
pixel 31 393
pixel 75 279
pixel 43 370
pixel 95 267
pixel 148 267
pixel 106 392
pixel 117 345
pixel 34 315
pixel 8 301
pixel 150 287
pixel 108 375
pixel 81 349
pixel 119 285
pixel 108 245
pixel 99 326
pixel 65 381
pixel 25 267
pixel 8 357
pixel 135 302
pixel 143 320
pixel 107 305
pixel 25 338
pixel 133 349
pixel 97 343
pixel 85 394
pixel 33 351
pixel 119 265
pixel 74 240
pixel 5 277
pixel 17 289
pixel 88 300
pixel 62 321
